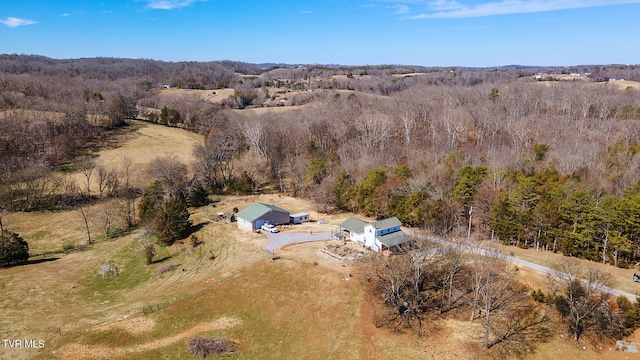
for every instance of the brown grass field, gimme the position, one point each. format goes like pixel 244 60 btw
pixel 624 84
pixel 214 96
pixel 299 306
pixel 153 141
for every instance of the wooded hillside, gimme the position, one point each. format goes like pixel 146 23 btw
pixel 549 164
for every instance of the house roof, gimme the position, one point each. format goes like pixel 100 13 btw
pixel 354 225
pixel 387 223
pixel 299 214
pixel 256 210
pixel 394 238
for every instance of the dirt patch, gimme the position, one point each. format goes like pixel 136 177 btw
pixel 342 253
pixel 134 326
pixel 82 351
pixel 463 330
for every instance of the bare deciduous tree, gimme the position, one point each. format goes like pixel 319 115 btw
pixel 87 165
pixel 171 172
pixel 450 268
pixel 106 217
pixel 581 296
pixel 402 280
pixel 375 131
pixel 129 194
pixel 107 180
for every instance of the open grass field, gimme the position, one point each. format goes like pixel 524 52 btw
pixel 302 305
pixel 151 141
pixel 214 96
pixel 625 84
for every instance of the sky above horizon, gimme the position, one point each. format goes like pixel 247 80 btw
pixel 477 33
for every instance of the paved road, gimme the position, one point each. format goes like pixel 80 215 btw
pixel 278 240
pixel 494 253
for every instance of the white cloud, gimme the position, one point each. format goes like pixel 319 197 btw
pixel 445 5
pixel 169 4
pixel 15 22
pixel 66 14
pixel 448 9
pixel 401 9
pixel 307 12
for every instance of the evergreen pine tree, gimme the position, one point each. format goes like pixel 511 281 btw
pixel 13 249
pixel 172 221
pixel 150 202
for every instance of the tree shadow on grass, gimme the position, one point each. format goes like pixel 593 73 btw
pixel 158 261
pixel 30 262
pixel 195 228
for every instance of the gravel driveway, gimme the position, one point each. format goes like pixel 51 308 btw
pixel 278 240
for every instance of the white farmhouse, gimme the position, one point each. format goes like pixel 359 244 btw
pixel 377 236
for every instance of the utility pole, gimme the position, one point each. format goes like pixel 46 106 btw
pixel 469 232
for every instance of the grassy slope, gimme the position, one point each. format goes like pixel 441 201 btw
pixel 289 309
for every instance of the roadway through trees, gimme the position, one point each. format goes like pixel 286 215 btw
pixel 492 252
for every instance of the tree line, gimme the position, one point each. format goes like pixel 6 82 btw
pixel 426 146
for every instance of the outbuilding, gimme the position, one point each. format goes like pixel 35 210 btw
pixel 299 218
pixel 257 214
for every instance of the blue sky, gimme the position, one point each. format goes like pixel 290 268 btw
pixel 348 32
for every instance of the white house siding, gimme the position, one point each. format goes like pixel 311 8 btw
pixel 358 238
pixel 377 246
pixel 373 245
pixel 370 237
pixel 245 225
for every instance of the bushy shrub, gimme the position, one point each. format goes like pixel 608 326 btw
pixel 208 346
pixel 538 296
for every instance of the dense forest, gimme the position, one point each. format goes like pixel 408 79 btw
pixel 552 165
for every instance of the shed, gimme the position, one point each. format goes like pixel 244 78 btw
pixel 299 218
pixel 257 214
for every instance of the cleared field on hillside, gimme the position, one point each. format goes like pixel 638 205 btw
pixel 214 96
pixel 624 84
pixel 151 141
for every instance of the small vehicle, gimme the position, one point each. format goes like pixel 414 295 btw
pixel 270 228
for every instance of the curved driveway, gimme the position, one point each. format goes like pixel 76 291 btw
pixel 282 239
